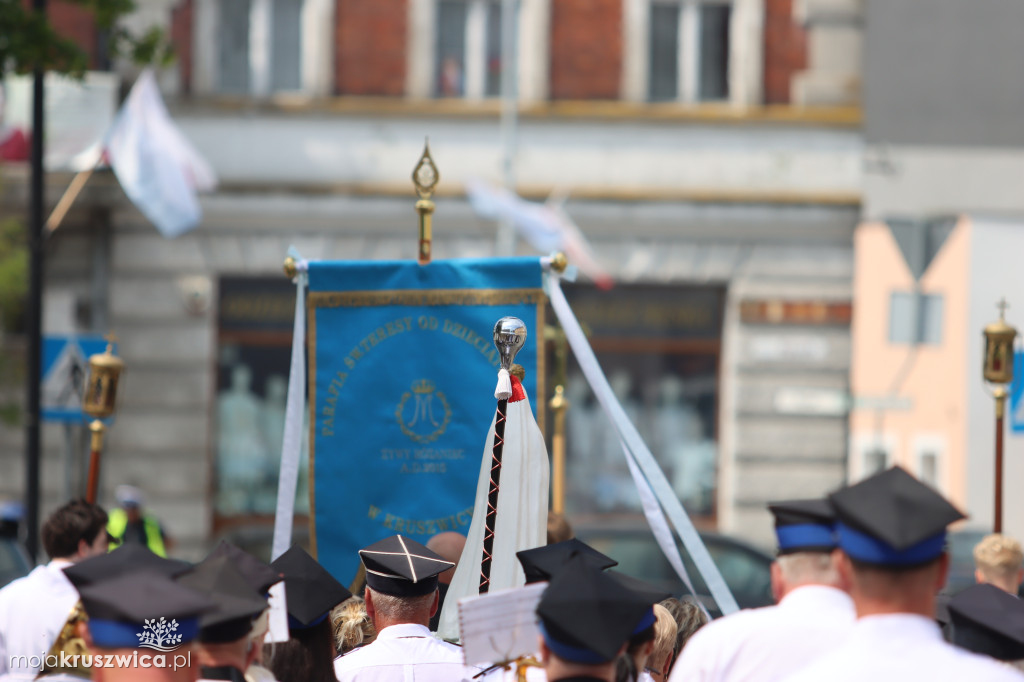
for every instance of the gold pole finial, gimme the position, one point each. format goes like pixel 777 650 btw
pixel 291 268
pixel 425 177
pixel 559 262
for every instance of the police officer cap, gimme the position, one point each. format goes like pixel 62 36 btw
pixel 258 574
pixel 123 609
pixel 587 616
pixel 310 591
pixel 236 604
pixel 988 621
pixel 892 519
pixel 127 558
pixel 540 563
pixel 804 525
pixel 402 567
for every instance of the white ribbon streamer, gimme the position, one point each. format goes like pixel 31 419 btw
pixel 635 448
pixel 291 448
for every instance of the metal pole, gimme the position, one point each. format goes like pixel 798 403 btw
pixel 34 310
pixel 559 404
pixel 506 243
pixel 1000 396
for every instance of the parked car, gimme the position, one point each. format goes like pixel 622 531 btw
pixel 14 561
pixel 745 568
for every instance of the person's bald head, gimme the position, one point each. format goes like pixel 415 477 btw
pixel 449 545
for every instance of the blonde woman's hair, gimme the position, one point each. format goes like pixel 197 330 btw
pixel 352 627
pixel 665 630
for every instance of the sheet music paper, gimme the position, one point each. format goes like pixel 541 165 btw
pixel 500 626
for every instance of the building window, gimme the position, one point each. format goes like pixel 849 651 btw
pixel 876 459
pixel 467 53
pixel 688 50
pixel 260 51
pixel 915 318
pixel 262 47
pixel 929 450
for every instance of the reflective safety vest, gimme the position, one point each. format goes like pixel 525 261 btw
pixel 118 524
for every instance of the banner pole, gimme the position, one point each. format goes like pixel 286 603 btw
pixel 509 338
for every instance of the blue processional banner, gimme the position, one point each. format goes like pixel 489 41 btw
pixel 402 370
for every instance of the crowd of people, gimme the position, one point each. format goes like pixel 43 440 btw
pixel 857 580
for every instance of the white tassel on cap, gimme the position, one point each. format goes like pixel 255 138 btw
pixel 504 389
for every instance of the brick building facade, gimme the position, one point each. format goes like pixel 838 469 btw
pixel 653 113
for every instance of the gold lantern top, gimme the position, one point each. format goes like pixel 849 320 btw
pixel 999 337
pixel 100 396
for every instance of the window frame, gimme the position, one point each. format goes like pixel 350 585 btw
pixel 532 39
pixel 745 52
pixel 316 49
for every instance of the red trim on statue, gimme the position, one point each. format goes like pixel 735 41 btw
pixel 517 390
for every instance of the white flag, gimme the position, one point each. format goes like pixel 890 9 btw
pixel 522 518
pixel 547 227
pixel 158 168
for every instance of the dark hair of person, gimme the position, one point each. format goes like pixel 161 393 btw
pixel 625 669
pixel 307 657
pixel 76 521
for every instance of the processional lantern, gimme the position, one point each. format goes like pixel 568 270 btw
pixel 99 402
pixel 998 372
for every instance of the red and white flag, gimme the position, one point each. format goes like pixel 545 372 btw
pixel 157 166
pixel 547 227
pixel 522 518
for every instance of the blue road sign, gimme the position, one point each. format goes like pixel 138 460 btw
pixel 1017 394
pixel 65 366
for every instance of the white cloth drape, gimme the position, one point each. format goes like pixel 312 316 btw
pixel 521 521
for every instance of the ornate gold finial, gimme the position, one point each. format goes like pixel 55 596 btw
pixel 559 262
pixel 291 268
pixel 425 175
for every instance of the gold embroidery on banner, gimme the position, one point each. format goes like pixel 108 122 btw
pixel 425 297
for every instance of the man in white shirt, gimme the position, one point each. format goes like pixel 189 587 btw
pixel 892 536
pixel 814 613
pixel 401 596
pixel 33 609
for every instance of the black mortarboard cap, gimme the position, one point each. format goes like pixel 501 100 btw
pixel 120 607
pixel 988 621
pixel 804 525
pixel 892 519
pixel 310 591
pixel 586 615
pixel 127 558
pixel 541 563
pixel 258 574
pixel 402 567
pixel 235 602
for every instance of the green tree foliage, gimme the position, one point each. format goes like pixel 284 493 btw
pixel 27 39
pixel 13 274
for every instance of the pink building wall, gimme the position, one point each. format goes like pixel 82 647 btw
pixel 928 409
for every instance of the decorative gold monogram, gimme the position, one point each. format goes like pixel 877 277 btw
pixel 423 426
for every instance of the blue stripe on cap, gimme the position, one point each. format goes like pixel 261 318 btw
pixel 570 653
pixel 871 550
pixel 294 624
pixel 646 622
pixel 112 634
pixel 805 535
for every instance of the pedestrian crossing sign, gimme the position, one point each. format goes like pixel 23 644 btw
pixel 65 365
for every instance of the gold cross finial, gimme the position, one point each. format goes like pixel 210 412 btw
pixel 1002 305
